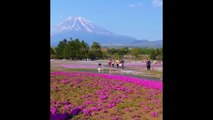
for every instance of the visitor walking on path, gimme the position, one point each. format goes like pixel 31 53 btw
pixel 110 63
pixel 155 62
pixel 113 64
pixel 122 63
pixel 99 67
pixel 148 64
pixel 117 63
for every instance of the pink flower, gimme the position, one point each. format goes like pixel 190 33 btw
pixel 126 109
pixel 111 105
pixel 87 102
pixel 103 97
pixel 115 118
pixel 148 108
pixel 154 114
pixel 124 96
pixel 94 109
pixel 81 107
pixel 53 110
pixel 86 112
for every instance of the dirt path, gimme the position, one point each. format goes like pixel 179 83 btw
pixel 132 68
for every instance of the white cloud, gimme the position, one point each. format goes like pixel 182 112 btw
pixel 157 3
pixel 135 5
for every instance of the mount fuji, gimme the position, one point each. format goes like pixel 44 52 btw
pixel 83 29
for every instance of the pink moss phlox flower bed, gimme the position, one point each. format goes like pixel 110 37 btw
pixel 93 96
pixel 143 82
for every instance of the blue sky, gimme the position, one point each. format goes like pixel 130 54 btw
pixel 141 19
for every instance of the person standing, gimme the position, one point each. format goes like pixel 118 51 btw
pixel 99 67
pixel 122 63
pixel 148 64
pixel 117 63
pixel 155 62
pixel 110 63
pixel 113 63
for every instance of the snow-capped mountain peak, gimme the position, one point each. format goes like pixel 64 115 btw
pixel 83 29
pixel 79 24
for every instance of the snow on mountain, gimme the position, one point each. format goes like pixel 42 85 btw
pixel 79 24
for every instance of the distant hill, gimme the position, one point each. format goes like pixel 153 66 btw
pixel 146 43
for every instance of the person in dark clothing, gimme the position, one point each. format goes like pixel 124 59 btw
pixel 122 63
pixel 148 64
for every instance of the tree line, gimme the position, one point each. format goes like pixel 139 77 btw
pixel 79 50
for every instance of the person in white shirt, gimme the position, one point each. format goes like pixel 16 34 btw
pixel 99 67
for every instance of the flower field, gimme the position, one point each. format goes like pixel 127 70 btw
pixel 93 96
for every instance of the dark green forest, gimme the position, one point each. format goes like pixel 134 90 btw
pixel 80 50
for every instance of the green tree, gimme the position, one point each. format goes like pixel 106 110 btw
pixel 72 50
pixel 51 51
pixel 113 50
pixel 84 50
pixel 68 53
pixel 95 51
pixel 153 55
pixel 159 52
pixel 77 49
pixel 106 55
pixel 60 49
pixel 116 56
pixel 136 52
pixel 123 51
